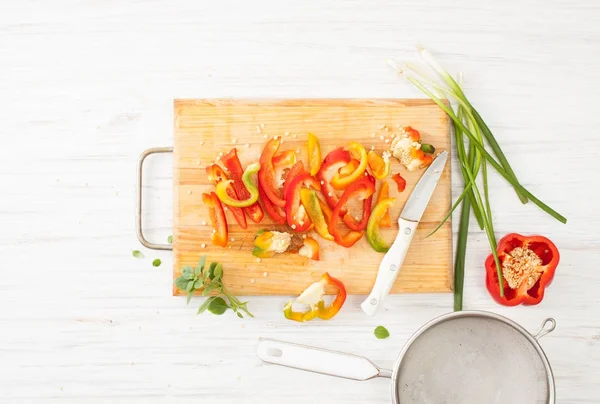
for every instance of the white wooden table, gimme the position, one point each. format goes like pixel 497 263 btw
pixel 86 86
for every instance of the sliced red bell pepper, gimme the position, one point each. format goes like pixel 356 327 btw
pixel 528 265
pixel 358 225
pixel 333 162
pixel 362 189
pixel 384 193
pixel 400 182
pixel 275 212
pixel 313 297
pixel 310 249
pixel 282 161
pixel 296 169
pixel 216 174
pixel 295 213
pixel 217 218
pixel 286 158
pixel 310 201
pixel 314 154
pixel 358 152
pixel 249 186
pixel 373 234
pixel 266 175
pixel 232 162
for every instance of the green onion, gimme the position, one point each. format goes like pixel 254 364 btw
pixel 469 127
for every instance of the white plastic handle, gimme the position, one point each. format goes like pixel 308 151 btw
pixel 318 360
pixel 389 267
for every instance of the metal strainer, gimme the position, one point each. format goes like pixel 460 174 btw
pixel 467 357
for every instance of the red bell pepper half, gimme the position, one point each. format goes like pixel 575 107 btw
pixel 528 265
pixel 232 162
pixel 296 215
pixel 361 189
pixel 217 218
pixel 216 174
pixel 266 175
pixel 333 162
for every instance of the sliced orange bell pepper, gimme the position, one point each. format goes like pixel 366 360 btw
pixel 384 193
pixel 379 165
pixel 217 218
pixel 310 249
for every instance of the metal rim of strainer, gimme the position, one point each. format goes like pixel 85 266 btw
pixel 478 314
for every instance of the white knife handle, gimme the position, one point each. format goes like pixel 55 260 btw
pixel 389 267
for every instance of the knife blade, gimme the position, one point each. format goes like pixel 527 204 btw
pixel 407 223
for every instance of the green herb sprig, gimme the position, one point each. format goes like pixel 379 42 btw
pixel 208 279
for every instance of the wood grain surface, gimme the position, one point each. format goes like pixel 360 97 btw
pixel 88 85
pixel 204 129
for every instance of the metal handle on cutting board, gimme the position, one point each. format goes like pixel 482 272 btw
pixel 138 205
pixel 318 360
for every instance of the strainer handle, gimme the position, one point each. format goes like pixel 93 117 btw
pixel 547 327
pixel 318 360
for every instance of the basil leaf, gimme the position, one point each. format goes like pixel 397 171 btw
pixel 156 262
pixel 200 266
pixel 218 306
pixel 218 272
pixel 204 305
pixel 190 286
pixel 170 239
pixel 381 332
pixel 181 283
pixel 208 289
pixel 209 273
pixel 189 297
pixel 138 254
pixel 187 273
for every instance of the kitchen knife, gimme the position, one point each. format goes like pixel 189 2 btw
pixel 407 224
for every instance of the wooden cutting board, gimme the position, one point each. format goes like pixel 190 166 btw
pixel 205 128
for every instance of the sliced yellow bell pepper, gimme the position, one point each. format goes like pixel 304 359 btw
pixel 310 201
pixel 358 152
pixel 314 154
pixel 373 234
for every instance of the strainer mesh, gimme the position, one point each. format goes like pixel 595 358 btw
pixel 471 360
